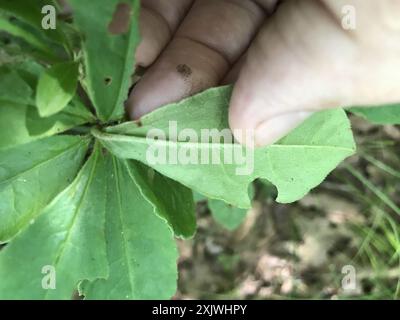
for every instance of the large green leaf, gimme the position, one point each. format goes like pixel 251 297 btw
pixel 109 57
pixel 56 88
pixel 170 199
pixel 68 236
pixel 141 249
pixel 32 175
pixel 21 124
pixel 389 114
pixel 296 164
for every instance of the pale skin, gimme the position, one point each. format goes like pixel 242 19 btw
pixel 285 62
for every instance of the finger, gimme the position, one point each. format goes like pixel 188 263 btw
pixel 303 61
pixel 233 74
pixel 212 37
pixel 159 20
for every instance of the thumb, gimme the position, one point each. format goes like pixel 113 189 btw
pixel 300 62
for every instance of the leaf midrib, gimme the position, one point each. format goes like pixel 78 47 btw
pixel 75 215
pixel 124 242
pixel 141 140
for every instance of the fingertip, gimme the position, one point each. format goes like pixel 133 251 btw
pixel 255 122
pixel 272 130
pixel 160 85
pixel 244 112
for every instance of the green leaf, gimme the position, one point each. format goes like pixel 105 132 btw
pixel 13 88
pixel 197 197
pixel 21 124
pixel 207 110
pixel 227 215
pixel 32 175
pixel 295 165
pixel 141 249
pixel 389 114
pixel 31 13
pixel 28 70
pixel 56 88
pixel 29 37
pixel 109 57
pixel 171 200
pixel 32 68
pixel 68 236
pixel 20 121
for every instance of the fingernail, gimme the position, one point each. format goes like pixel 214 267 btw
pixel 272 130
pixel 160 86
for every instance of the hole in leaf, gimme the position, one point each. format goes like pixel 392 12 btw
pixel 121 19
pixel 107 81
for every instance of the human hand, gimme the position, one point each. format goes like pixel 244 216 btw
pixel 286 64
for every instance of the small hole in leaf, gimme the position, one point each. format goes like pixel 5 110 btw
pixel 107 81
pixel 139 123
pixel 121 19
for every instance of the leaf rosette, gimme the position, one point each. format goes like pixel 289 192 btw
pixel 77 189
